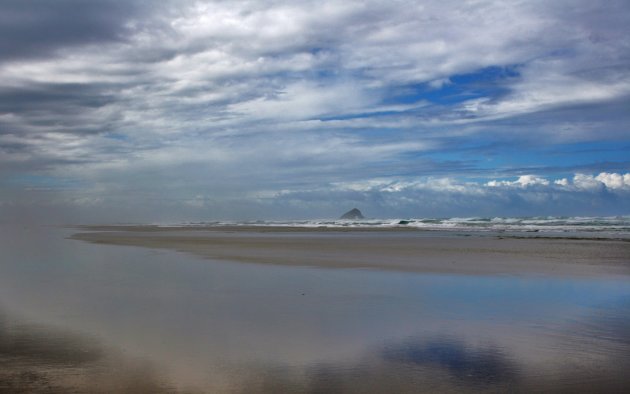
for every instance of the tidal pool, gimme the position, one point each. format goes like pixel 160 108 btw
pixel 84 317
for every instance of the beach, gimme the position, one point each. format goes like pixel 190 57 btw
pixel 398 249
pixel 264 309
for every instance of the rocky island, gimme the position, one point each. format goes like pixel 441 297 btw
pixel 352 214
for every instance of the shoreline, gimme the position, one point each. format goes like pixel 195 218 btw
pixel 457 232
pixel 407 250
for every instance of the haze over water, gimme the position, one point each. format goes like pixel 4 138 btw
pixel 180 322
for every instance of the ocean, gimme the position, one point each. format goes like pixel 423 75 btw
pixel 601 226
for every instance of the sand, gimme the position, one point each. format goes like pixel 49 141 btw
pixel 396 249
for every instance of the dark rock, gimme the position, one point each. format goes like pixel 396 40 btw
pixel 352 214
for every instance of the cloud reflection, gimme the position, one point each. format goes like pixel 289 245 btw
pixel 476 365
pixel 439 364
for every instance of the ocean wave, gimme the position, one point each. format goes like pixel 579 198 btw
pixel 613 224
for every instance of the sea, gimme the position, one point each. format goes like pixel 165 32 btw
pixel 579 226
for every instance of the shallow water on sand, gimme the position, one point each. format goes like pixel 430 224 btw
pixel 106 318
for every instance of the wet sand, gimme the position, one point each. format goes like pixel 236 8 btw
pixel 37 358
pixel 395 249
pixel 394 315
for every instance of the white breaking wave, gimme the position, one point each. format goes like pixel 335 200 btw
pixel 612 224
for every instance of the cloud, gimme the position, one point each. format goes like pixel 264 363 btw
pixel 522 181
pixel 611 181
pixel 216 198
pixel 605 180
pixel 268 96
pixel 239 62
pixel 35 29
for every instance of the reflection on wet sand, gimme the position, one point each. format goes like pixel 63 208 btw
pixel 476 366
pixel 34 358
pixel 443 365
pixel 40 359
pixel 434 365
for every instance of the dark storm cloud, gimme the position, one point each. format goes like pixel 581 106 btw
pixel 38 28
pixel 54 98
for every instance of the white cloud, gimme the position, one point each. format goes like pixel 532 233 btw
pixel 586 182
pixel 614 181
pixel 522 181
pixel 530 187
pixel 305 100
pixel 611 181
pixel 547 86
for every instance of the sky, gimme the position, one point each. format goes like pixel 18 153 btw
pixel 142 111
